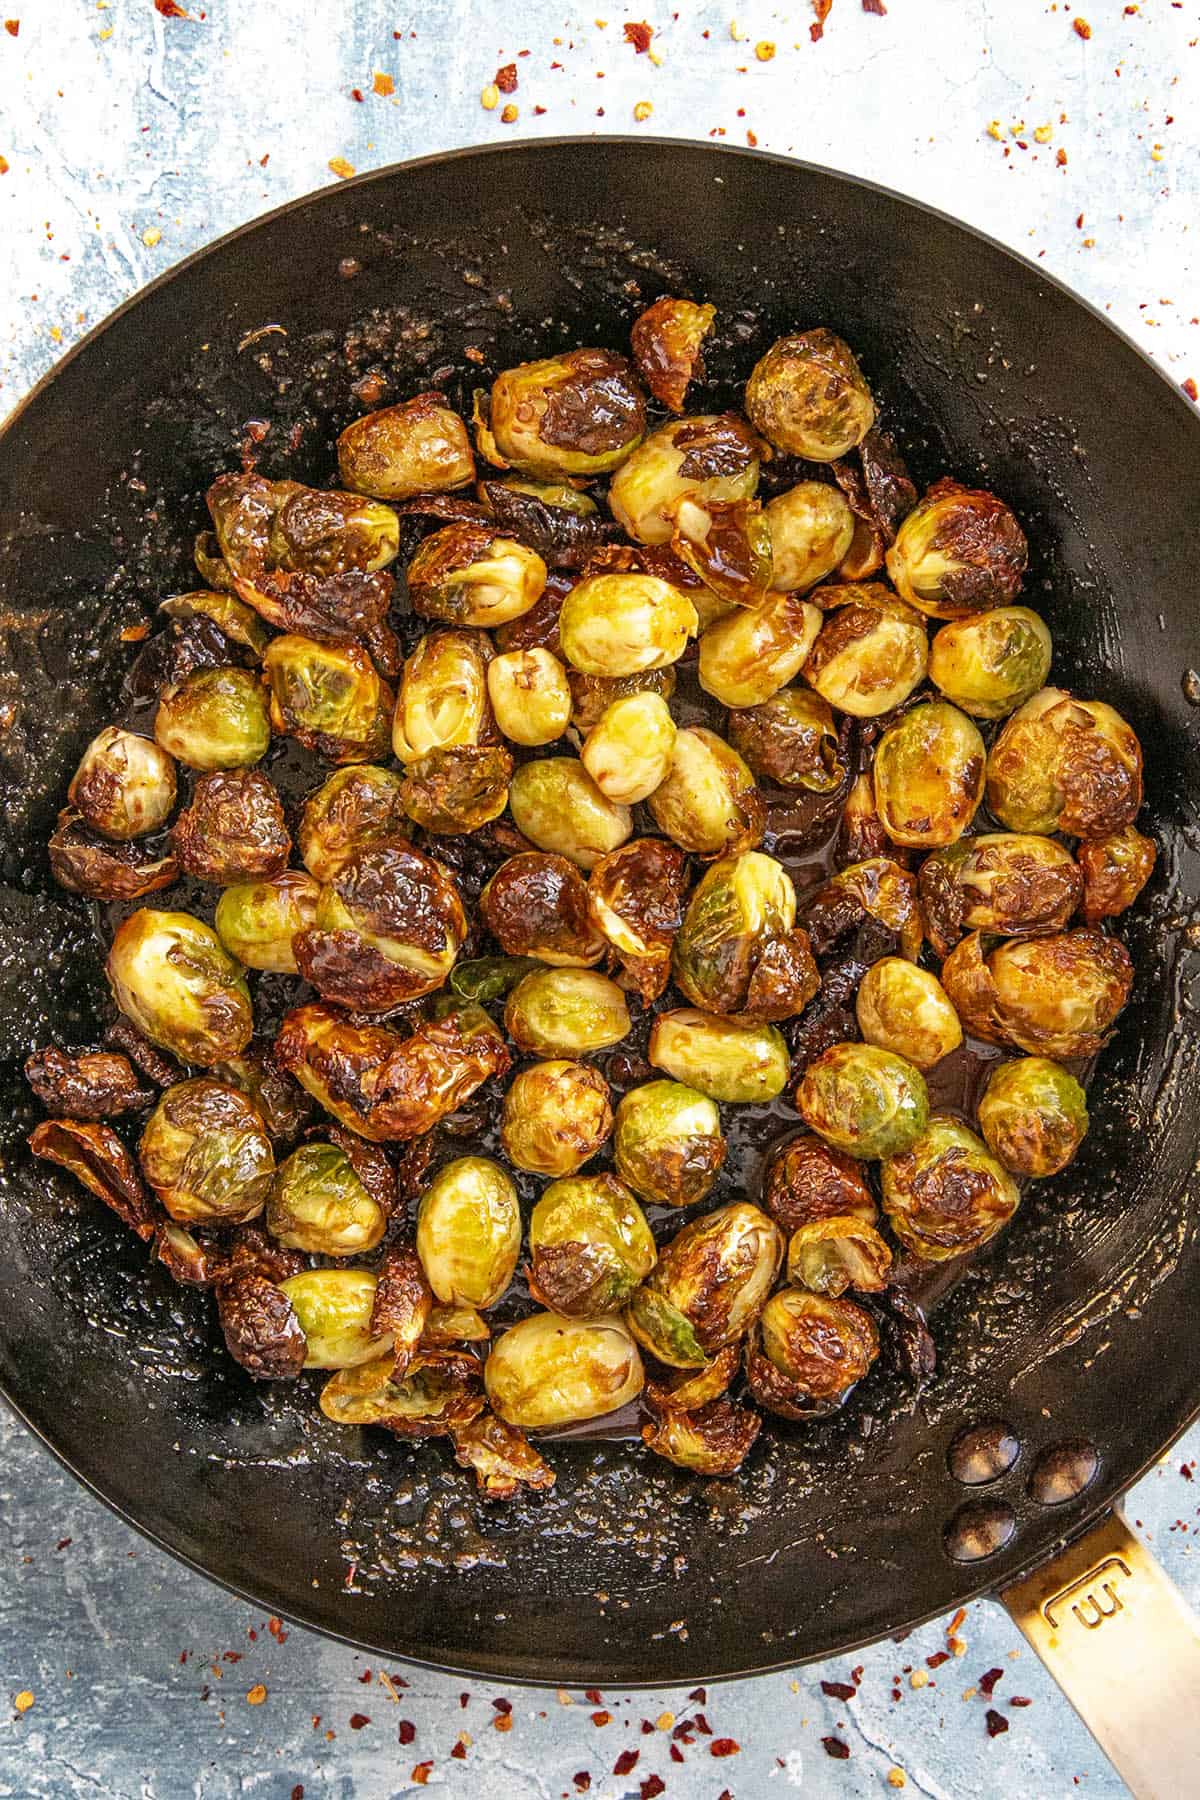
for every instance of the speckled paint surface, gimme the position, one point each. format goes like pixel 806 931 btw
pixel 128 139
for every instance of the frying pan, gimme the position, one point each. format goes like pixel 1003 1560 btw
pixel 1067 1359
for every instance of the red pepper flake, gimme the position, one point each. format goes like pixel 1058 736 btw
pixel 838 1690
pixel 937 1659
pixel 959 1619
pixel 3 165
pixel 504 1707
pixel 464 1700
pixel 639 36
pixel 12 26
pixel 682 1729
pixel 1020 1700
pixel 1060 157
pixel 996 1722
pixel 647 1728
pixel 357 94
pixel 232 1656
pixel 724 1747
pixel 358 1720
pixel 538 111
pixel 422 1772
pixel 752 140
pixel 1183 1470
pixel 987 1682
pixel 1190 389
pixel 257 1694
pixel 875 6
pixel 652 1787
pixel 822 8
pixel 506 78
pixel 459 1752
pixel 63 1543
pixel 627 1760
pixel 408 1731
pixel 699 1695
pixel 594 1695
pixel 583 1781
pixel 275 1627
pixel 601 1718
pixel 676 1753
pixel 1081 28
pixel 703 1725
pixel 365 1677
pixel 834 1747
pixel 169 10
pixel 298 1791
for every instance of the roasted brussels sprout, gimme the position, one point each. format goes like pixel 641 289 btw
pixel 285 527
pixel 214 719
pixel 870 653
pixel 259 1323
pixel 283 1107
pixel 808 1351
pixel 1069 765
pixel 589 1246
pixel 625 624
pixel 878 889
pixel 537 905
pixel 929 775
pixel 388 928
pixel 667 1142
pixel 812 528
pixel 726 1059
pixel 628 753
pixel 257 920
pixel 727 544
pixel 233 830
pixel 435 1393
pixel 903 1008
pixel 807 1182
pixel 1009 882
pixel 807 396
pixel 959 551
pixel 232 617
pixel 124 785
pixel 333 1307
pixel 172 976
pixel 580 413
pixel 356 806
pixel 827 1256
pixel 708 1286
pixel 992 662
pixel 565 1012
pixel 1051 996
pixel 442 700
pixel 708 802
pixel 83 862
pixel 558 807
pixel 418 447
pixel 450 792
pixel 469 1232
pixel 94 1154
pixel 864 1101
pixel 530 695
pixel 713 457
pixel 1033 1114
pixel 737 950
pixel 206 1154
pixel 318 1203
pixel 86 1084
pixel 592 695
pixel 556 1116
pixel 946 1193
pixel 750 654
pixel 1115 870
pixel 861 836
pixel 635 896
pixel 667 340
pixel 715 1439
pixel 502 1457
pixel 550 1370
pixel 329 698
pixel 790 739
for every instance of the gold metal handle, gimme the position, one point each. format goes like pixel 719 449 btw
pixel 1124 1646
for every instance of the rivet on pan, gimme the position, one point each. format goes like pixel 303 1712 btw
pixel 983 1452
pixel 979 1529
pixel 1062 1471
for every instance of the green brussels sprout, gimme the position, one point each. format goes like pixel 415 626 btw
pixel 214 719
pixel 871 651
pixel 288 528
pixel 356 806
pixel 329 698
pixel 558 495
pixel 232 617
pixel 232 830
pixel 589 1246
pixel 124 785
pixel 537 906
pixel 737 950
pixel 530 695
pixel 903 1008
pixel 946 1194
pixel 726 1059
pixel 1052 996
pixel 708 1287
pixel 806 1182
pixel 469 1232
pixel 592 695
pixel 959 551
pixel 566 1012
pixel 1068 765
pixel 1115 870
pixel 173 978
pixel 713 457
pixel 727 545
pixel 624 624
pixel 750 654
pixel 708 803
pixel 417 447
pixel 929 775
pixel 487 978
pixel 808 397
pixel 442 700
pixel 206 1154
pixel 812 528
pixel 666 341
pixel 257 920
pixel 557 806
pixel 807 1352
pixel 827 1256
pixel 1010 882
pixel 580 413
pixel 454 1325
pixel 319 1203
pixel 334 1309
pixel 557 1115
pixel 635 896
pixel 436 1393
pixel 790 739
pixel 388 929
pixel 1033 1114
pixel 548 1370
pixel 863 1101
pixel 628 754
pixel 667 1142
pixel 990 663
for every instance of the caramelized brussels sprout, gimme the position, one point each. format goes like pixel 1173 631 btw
pixel 864 1101
pixel 442 700
pixel 388 928
pixel 1033 1114
pixel 124 785
pixel 557 806
pixel 233 830
pixel 537 905
pixel 708 1287
pixel 260 1326
pixel 812 528
pixel 1115 870
pixel 726 1059
pixel 549 1370
pixel 556 1116
pixel 708 802
pixel 667 340
pixel 807 1182
pixel 356 806
pixel 214 719
pixel 959 551
pixel 946 1193
pixel 624 624
pixel 991 663
pixel 1004 881
pixel 172 976
pixel 257 920
pixel 1069 765
pixel 737 950
pixel 589 1246
pixel 929 775
pixel 580 413
pixel 790 739
pixel 635 896
pixel 750 654
pixel 206 1154
pixel 436 1393
pixel 471 574
pixel 877 889
pixel 667 1142
pixel 469 1232
pixel 870 653
pixel 530 695
pixel 329 698
pixel 283 1107
pixel 319 1204
pixel 83 862
pixel 96 1157
pixel 232 617
pixel 592 695
pixel 502 1457
pixel 808 1351
pixel 903 1008
pixel 861 836
pixel 727 544
pixel 713 457
pixel 333 1307
pixel 808 397
pixel 565 1012
pixel 1051 996
pixel 450 792
pixel 455 1325
pixel 86 1084
pixel 628 753
pixel 418 447
pixel 713 1440
pixel 827 1256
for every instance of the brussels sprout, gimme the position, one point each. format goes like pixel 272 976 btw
pixel 709 1285
pixel 548 1370
pixel 86 1084
pixel 812 528
pixel 625 624
pixel 827 1256
pixel 790 739
pixel 233 830
pixel 557 806
pixel 708 802
pixel 450 792
pixel 1067 765
pixel 667 1143
pixel 1051 996
pixel 388 928
pixel 282 525
pixel 259 1323
pixel 487 978
pixel 635 896
pixel 1004 881
pixel 214 719
pixel 556 1116
pixel 870 653
pixel 502 1457
pixel 903 1008
pixel 864 1101
pixel 556 496
pixel 808 1351
pixel 435 1394
pixel 83 862
pixel 455 1325
pixel 687 1390
pixel 589 1246
pixel 171 975
pixel 206 1154
pixel 929 774
pixel 946 1193
pixel 333 1307
pixel 469 1232
pixel 283 1107
pixel 356 806
pixel 807 396
pixel 714 1440
pixel 319 1204
pixel 877 889
pixel 713 457
pixel 727 543
pixel 232 617
pixel 580 413
pixel 750 654
pixel 736 950
pixel 442 699
pixel 94 1154
pixel 991 663
pixel 592 695
pixel 806 1183
pixel 124 785
pixel 329 698
pixel 530 695
pixel 257 920
pixel 471 574
pixel 959 551
pixel 628 753
pixel 537 906
pixel 667 340
pixel 724 1058
pixel 861 836
pixel 418 447
pixel 1115 870
pixel 1033 1114
pixel 565 1012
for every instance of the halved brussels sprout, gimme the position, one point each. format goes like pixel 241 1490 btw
pixel 557 806
pixel 83 862
pixel 946 1193
pixel 356 806
pixel 318 1203
pixel 878 889
pixel 628 754
pixel 708 1287
pixel 436 1395
pixel 556 1117
pixel 565 1012
pixel 580 413
pixel 827 1256
pixel 283 1107
pixel 592 695
pixel 94 1154
pixel 469 1232
pixel 442 700
pixel 329 698
pixel 635 896
pixel 1115 870
pixel 708 802
pixel 991 663
pixel 737 950
pixel 713 457
pixel 750 654
pixel 667 340
pixel 214 719
pixel 257 920
pixel 861 836
pixel 232 830
pixel 790 739
pixel 259 1323
pixel 549 1370
pixel 903 1008
pixel 388 929
pixel 959 551
pixel 871 651
pixel 807 1182
pixel 537 906
pixel 808 397
pixel 1052 996
pixel 727 545
pixel 206 1154
pixel 589 1246
pixel 450 792
pixel 124 785
pixel 530 695
pixel 1034 1115
pixel 1009 882
pixel 812 528
pixel 668 1143
pixel 232 617
pixel 624 624
pixel 713 1440
pixel 1069 765
pixel 471 574
pixel 727 1059
pixel 502 1457
pixel 417 447
pixel 929 775
pixel 172 976
pixel 864 1101
pixel 334 1308
pixel 808 1351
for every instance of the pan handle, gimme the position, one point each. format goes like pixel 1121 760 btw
pixel 1124 1646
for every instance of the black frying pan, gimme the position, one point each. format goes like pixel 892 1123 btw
pixel 1076 1333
